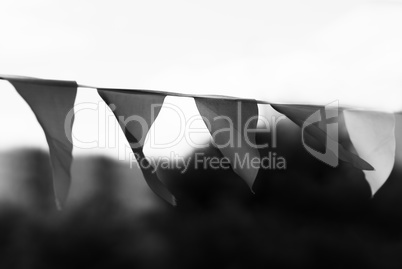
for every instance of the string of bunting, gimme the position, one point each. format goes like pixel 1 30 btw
pixel 372 133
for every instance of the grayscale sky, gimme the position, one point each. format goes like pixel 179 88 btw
pixel 288 51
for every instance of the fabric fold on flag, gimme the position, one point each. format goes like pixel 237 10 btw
pixel 227 121
pixel 300 115
pixel 136 111
pixel 373 136
pixel 52 102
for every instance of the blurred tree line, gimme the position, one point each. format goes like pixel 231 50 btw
pixel 307 216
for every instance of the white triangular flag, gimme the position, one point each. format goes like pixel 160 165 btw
pixel 373 136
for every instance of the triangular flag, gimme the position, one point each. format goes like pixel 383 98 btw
pixel 227 120
pixel 373 136
pixel 316 127
pixel 52 102
pixel 135 112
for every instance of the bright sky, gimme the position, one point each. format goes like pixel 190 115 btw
pixel 281 51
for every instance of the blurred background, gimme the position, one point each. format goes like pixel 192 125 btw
pixel 309 215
